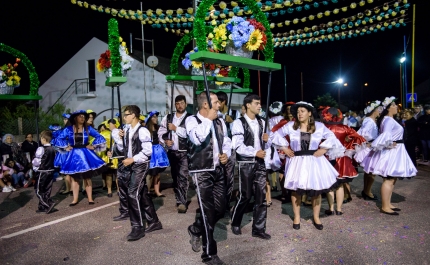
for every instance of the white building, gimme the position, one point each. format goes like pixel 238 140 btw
pixel 78 85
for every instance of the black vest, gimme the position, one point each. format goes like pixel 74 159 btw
pixel 248 137
pixel 182 142
pixel 48 157
pixel 200 157
pixel 136 144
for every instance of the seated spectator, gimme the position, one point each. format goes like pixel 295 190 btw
pixel 18 175
pixel 29 146
pixel 8 141
pixel 6 179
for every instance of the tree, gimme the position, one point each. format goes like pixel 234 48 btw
pixel 325 100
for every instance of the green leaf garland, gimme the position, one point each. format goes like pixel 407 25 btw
pixel 34 78
pixel 115 57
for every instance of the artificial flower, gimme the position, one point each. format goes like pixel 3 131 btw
pixel 255 40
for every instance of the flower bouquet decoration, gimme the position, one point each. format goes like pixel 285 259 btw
pixel 239 37
pixel 104 63
pixel 9 78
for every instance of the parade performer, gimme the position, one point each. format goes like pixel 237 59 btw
pixel 43 165
pixel 369 130
pixel 248 137
pixel 90 123
pixel 172 133
pixel 332 118
pixel 307 171
pixel 137 150
pixel 389 157
pixel 107 176
pixel 81 162
pixel 275 114
pixel 60 156
pixel 159 161
pixel 205 164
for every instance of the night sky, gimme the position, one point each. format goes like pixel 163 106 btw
pixel 51 32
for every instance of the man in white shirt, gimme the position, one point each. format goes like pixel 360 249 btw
pixel 209 149
pixel 248 141
pixel 137 151
pixel 172 133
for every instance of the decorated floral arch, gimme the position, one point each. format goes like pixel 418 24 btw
pixel 34 78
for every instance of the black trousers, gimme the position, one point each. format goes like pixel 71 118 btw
pixel 123 183
pixel 210 189
pixel 252 182
pixel 139 202
pixel 179 170
pixel 229 178
pixel 43 188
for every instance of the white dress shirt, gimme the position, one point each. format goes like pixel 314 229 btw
pixel 197 134
pixel 145 139
pixel 238 137
pixel 181 132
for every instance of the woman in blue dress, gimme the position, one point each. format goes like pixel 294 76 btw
pixel 81 162
pixel 159 160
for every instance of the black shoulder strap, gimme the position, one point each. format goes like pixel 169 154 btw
pixel 198 120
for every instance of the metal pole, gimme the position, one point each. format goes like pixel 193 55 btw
pixel 153 52
pixel 229 100
pixel 259 83
pixel 143 61
pixel 120 116
pixel 36 111
pixel 171 108
pixel 113 103
pixel 405 80
pixel 404 104
pixel 208 97
pixel 285 82
pixel 195 84
pixel 268 100
pixel 131 42
pixel 413 58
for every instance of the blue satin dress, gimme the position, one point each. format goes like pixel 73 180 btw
pixel 59 156
pixel 159 160
pixel 80 162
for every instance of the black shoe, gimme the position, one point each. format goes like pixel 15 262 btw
pixel 296 226
pixel 396 209
pixel 136 234
pixel 317 226
pixel 121 217
pixel 195 241
pixel 51 206
pixel 153 227
pixel 306 204
pixel 215 260
pixel 328 212
pixel 393 213
pixel 110 195
pixel 91 203
pixel 338 212
pixel 262 235
pixel 368 198
pixel 73 204
pixel 40 211
pixel 236 230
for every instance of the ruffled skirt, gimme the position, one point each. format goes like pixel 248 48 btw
pixel 82 163
pixel 394 162
pixel 59 159
pixel 309 175
pixel 159 160
pixel 345 168
pixel 361 154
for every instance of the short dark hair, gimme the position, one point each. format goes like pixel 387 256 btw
pixel 113 121
pixel 201 99
pixel 100 126
pixel 133 109
pixel 222 96
pixel 47 135
pixel 180 98
pixel 27 134
pixel 249 98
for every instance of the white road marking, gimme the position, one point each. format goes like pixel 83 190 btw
pixel 58 221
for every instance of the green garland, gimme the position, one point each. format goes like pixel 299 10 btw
pixel 199 26
pixel 34 78
pixel 115 57
pixel 177 53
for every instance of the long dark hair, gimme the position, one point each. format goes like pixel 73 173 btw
pixel 85 127
pixel 311 125
pixel 382 115
pixel 152 127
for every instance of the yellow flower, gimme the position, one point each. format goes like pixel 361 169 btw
pixel 223 44
pixel 123 44
pixel 17 79
pixel 120 39
pixel 218 82
pixel 99 67
pixel 255 40
pixel 210 36
pixel 196 64
pixel 74 2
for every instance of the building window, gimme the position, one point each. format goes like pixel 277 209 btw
pixel 91 68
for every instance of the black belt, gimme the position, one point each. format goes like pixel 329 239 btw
pixel 371 140
pixel 79 146
pixel 399 141
pixel 305 153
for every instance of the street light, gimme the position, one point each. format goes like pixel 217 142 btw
pixel 340 82
pixel 403 59
pixel 402 79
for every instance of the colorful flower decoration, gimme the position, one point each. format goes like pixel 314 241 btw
pixel 329 117
pixel 9 75
pixel 372 106
pixel 276 107
pixel 388 101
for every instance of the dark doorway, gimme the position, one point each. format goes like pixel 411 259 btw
pixel 91 65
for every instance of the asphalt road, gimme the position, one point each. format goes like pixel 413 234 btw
pixel 86 234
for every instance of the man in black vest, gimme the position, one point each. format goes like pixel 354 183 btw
pixel 137 150
pixel 173 134
pixel 204 162
pixel 248 136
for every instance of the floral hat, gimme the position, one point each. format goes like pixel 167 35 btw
pixel 76 113
pixel 276 107
pixel 303 104
pixel 66 115
pixel 331 115
pixel 54 128
pixel 388 101
pixel 152 113
pixel 262 113
pixel 375 104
